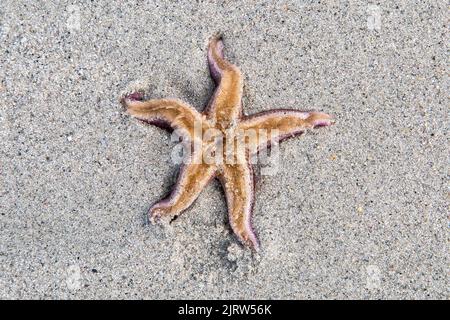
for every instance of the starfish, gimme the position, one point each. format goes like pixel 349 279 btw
pixel 221 123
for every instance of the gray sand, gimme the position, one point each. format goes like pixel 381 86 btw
pixel 358 210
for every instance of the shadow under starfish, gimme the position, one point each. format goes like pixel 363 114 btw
pixel 223 121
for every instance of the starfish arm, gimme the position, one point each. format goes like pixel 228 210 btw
pixel 238 184
pixel 279 124
pixel 165 113
pixel 225 105
pixel 193 177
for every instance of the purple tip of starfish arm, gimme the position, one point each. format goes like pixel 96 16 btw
pixel 216 46
pixel 135 96
pixel 254 240
pixel 155 210
pixel 323 119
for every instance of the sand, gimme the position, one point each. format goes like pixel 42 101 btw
pixel 358 210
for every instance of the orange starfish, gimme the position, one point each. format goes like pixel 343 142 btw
pixel 222 123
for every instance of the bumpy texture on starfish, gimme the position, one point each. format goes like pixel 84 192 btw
pixel 223 116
